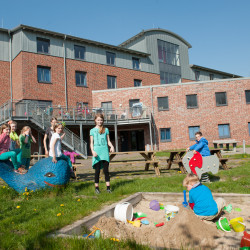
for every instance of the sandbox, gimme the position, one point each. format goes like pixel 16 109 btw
pixel 184 230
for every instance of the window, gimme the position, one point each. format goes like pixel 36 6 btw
pixel 163 103
pixel 136 63
pixel 197 75
pixel 110 58
pixel 111 82
pixel 247 92
pixel 81 79
pixel 221 98
pixel 43 74
pixel 79 52
pixel 192 130
pixel 249 128
pixel 107 106
pixel 137 83
pixel 191 101
pixel 169 78
pixel 82 105
pixel 211 76
pixel 132 101
pixel 224 131
pixel 168 53
pixel 42 45
pixel 165 134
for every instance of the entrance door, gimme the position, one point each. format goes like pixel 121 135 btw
pixel 137 140
pixel 124 141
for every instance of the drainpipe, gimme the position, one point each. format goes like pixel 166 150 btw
pixel 65 72
pixel 10 59
pixel 153 122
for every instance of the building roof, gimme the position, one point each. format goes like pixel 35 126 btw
pixel 214 71
pixel 74 38
pixel 150 30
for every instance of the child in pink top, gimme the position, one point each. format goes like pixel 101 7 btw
pixel 5 154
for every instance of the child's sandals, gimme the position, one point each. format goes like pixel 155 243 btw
pixel 21 170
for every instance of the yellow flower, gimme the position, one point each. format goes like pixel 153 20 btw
pixel 31 191
pixel 61 205
pixel 78 200
pixel 59 214
pixel 114 239
pixel 26 189
pixel 13 222
pixel 17 206
pixel 4 187
pixel 34 209
pixel 27 193
pixel 27 199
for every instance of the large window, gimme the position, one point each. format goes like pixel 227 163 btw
pixel 247 92
pixel 191 101
pixel 136 63
pixel 197 75
pixel 137 83
pixel 221 98
pixel 168 53
pixel 192 130
pixel 42 45
pixel 163 103
pixel 79 52
pixel 211 76
pixel 81 79
pixel 43 74
pixel 167 78
pixel 111 82
pixel 110 58
pixel 165 134
pixel 132 101
pixel 224 131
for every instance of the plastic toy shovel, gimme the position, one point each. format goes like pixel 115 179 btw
pixel 136 223
pixel 184 203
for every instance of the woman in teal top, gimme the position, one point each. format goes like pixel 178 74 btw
pixel 99 142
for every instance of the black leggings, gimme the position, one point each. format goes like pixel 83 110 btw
pixel 97 167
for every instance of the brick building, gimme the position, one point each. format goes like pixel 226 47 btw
pixel 45 73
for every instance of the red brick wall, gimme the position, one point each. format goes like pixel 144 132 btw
pixel 179 118
pixel 4 81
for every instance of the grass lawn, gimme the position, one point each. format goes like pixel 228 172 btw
pixel 26 219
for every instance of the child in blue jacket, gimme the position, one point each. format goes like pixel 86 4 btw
pixel 201 145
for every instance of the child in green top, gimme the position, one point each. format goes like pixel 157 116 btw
pixel 14 142
pixel 25 139
pixel 99 142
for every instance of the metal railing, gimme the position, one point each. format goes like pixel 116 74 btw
pixel 31 111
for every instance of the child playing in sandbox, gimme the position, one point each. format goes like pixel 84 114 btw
pixel 201 199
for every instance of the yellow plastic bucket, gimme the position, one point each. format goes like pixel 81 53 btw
pixel 237 224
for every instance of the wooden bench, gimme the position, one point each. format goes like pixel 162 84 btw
pixel 227 142
pixel 223 162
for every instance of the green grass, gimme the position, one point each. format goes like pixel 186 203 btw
pixel 27 227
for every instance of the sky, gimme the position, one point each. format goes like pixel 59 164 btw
pixel 218 30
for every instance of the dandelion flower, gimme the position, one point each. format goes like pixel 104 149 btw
pixel 78 200
pixel 4 187
pixel 13 222
pixel 62 205
pixel 34 209
pixel 26 189
pixel 17 206
pixel 59 214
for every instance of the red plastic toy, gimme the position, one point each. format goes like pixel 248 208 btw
pixel 159 224
pixel 196 161
pixel 245 240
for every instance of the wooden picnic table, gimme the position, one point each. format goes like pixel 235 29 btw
pixel 222 160
pixel 148 158
pixel 176 157
pixel 227 142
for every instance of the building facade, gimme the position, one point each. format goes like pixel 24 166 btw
pixel 75 77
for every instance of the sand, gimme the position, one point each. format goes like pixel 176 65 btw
pixel 184 230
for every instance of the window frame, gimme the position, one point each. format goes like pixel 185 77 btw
pixel 84 50
pixel 107 111
pixel 166 76
pixel 164 109
pixel 137 80
pixel 85 78
pixel 217 104
pixel 224 137
pixel 247 91
pixel 43 81
pixel 111 77
pixel 133 64
pixel 249 128
pixel 211 77
pixel 44 40
pixel 197 75
pixel 165 140
pixel 107 57
pixel 193 127
pixel 192 107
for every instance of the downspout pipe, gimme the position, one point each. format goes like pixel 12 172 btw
pixel 10 59
pixel 65 72
pixel 153 122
